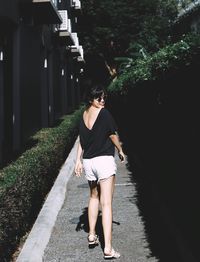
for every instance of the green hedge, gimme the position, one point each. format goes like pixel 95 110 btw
pixel 166 60
pixel 25 183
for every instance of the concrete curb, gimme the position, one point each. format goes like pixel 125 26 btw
pixel 39 236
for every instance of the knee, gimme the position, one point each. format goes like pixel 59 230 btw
pixel 106 203
pixel 94 195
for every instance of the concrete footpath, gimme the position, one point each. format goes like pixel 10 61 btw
pixel 60 231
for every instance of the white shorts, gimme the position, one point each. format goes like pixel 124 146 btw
pixel 100 167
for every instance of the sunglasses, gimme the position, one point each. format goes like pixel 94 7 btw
pixel 99 99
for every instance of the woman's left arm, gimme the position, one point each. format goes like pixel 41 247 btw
pixel 115 139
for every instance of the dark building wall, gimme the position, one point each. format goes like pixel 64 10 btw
pixel 57 88
pixel 30 70
pixel 6 120
pixel 36 69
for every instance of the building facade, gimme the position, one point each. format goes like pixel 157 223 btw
pixel 40 64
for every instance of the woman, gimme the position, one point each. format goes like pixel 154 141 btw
pixel 97 142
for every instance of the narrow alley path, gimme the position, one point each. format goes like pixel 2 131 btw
pixel 68 241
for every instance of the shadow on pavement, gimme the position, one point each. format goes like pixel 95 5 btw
pixel 83 224
pixel 147 200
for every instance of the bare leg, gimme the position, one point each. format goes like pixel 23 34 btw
pixel 107 188
pixel 93 206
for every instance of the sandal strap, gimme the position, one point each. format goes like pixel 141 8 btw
pixel 93 239
pixel 93 236
pixel 112 254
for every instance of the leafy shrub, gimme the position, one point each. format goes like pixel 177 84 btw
pixel 167 59
pixel 25 182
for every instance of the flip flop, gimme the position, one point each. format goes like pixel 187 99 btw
pixel 112 255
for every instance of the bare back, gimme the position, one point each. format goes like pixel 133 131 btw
pixel 90 116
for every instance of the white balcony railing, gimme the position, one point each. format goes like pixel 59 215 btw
pixel 69 26
pixel 64 25
pixel 81 51
pixel 76 4
pixel 75 40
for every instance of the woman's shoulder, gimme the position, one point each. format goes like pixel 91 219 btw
pixel 105 112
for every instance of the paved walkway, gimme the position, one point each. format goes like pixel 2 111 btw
pixel 60 232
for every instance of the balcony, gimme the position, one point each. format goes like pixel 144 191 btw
pixel 80 58
pixel 76 7
pixel 75 47
pixel 45 12
pixel 64 36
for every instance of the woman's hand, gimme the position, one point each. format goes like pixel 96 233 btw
pixel 78 168
pixel 121 155
pixel 115 139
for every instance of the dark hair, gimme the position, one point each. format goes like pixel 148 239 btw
pixel 95 92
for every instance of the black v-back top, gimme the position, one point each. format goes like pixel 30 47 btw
pixel 95 141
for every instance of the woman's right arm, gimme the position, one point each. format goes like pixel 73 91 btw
pixel 78 165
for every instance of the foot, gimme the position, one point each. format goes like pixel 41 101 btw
pixel 93 240
pixel 111 255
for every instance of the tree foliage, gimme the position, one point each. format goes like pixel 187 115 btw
pixel 110 29
pixel 168 60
